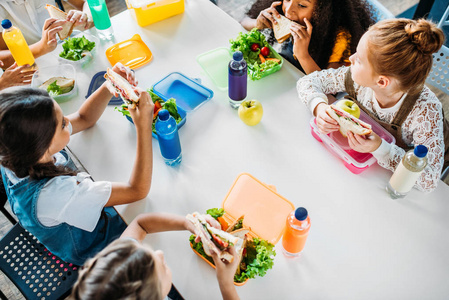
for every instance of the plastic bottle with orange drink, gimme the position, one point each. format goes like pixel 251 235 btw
pixel 296 232
pixel 16 44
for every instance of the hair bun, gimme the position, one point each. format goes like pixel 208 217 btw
pixel 426 36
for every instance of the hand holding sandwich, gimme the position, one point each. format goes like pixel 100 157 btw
pixel 324 122
pixel 266 19
pixel 364 143
pixel 80 19
pixel 225 274
pixel 48 41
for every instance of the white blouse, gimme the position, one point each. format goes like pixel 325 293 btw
pixel 423 126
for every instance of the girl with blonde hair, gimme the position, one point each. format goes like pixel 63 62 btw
pixel 386 79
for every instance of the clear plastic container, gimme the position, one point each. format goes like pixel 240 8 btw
pixel 83 62
pixel 66 70
pixel 215 65
pixel 356 162
pixel 148 12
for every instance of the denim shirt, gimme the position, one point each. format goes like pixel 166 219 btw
pixel 70 243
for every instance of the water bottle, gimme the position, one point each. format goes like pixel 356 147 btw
pixel 237 79
pixel 100 16
pixel 16 43
pixel 167 133
pixel 296 232
pixel 407 172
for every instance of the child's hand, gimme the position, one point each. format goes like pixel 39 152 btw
pixel 125 72
pixel 301 39
pixel 79 18
pixel 324 122
pixel 15 75
pixel 48 41
pixel 265 19
pixel 143 114
pixel 190 227
pixel 365 143
pixel 225 270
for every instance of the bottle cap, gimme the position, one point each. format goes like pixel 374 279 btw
pixel 237 55
pixel 420 151
pixel 6 24
pixel 301 213
pixel 163 115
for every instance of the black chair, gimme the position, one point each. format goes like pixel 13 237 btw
pixel 36 272
pixel 3 199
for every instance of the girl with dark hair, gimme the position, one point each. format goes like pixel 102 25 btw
pixel 324 33
pixel 386 79
pixel 67 212
pixel 126 269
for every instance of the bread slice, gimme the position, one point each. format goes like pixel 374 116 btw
pixel 348 122
pixel 282 29
pixel 67 27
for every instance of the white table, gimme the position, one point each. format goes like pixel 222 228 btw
pixel 362 244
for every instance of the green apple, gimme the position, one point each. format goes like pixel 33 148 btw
pixel 349 107
pixel 251 112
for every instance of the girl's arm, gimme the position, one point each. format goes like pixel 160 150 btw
pixel 92 109
pixel 312 89
pixel 248 23
pixel 417 125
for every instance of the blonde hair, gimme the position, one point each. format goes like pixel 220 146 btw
pixel 403 48
pixel 123 270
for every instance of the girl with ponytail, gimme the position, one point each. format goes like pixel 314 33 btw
pixel 65 210
pixel 386 79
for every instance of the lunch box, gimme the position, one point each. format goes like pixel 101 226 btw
pixel 264 209
pixel 64 70
pixel 188 93
pixel 356 162
pixel 147 12
pixel 85 61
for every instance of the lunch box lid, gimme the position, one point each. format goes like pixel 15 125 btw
pixel 215 64
pixel 97 80
pixel 265 211
pixel 355 161
pixel 133 53
pixel 188 93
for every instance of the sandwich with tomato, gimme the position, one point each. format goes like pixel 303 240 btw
pixel 123 88
pixel 348 122
pixel 214 240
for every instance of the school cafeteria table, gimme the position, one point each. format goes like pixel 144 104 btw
pixel 362 244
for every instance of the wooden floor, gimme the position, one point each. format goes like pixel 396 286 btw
pixel 236 9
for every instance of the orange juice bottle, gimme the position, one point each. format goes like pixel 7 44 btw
pixel 296 232
pixel 16 44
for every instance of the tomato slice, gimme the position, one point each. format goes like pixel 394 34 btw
pixel 220 241
pixel 157 106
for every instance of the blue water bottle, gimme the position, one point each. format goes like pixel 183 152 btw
pixel 237 79
pixel 167 133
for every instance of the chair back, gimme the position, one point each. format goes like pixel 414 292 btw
pixel 3 199
pixel 444 21
pixel 36 272
pixel 379 11
pixel 439 74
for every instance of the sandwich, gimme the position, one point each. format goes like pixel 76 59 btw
pixel 215 240
pixel 238 224
pixel 123 88
pixel 67 27
pixel 348 122
pixel 282 29
pixel 56 86
pixel 240 248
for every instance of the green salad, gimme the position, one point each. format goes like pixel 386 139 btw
pixel 159 104
pixel 76 48
pixel 257 258
pixel 261 60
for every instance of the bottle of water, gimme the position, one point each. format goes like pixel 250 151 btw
pixel 296 232
pixel 407 172
pixel 237 79
pixel 16 43
pixel 101 18
pixel 167 133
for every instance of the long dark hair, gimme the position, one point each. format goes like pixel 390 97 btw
pixel 328 18
pixel 27 126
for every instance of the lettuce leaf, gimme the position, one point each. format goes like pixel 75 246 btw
pixel 75 48
pixel 54 89
pixel 215 212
